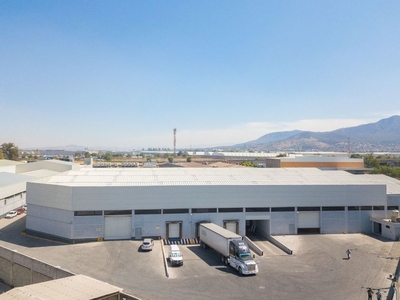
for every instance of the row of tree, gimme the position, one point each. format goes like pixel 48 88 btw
pixel 370 161
pixel 9 151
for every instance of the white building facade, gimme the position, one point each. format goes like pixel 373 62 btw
pixel 91 204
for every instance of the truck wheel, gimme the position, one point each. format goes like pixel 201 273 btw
pixel 226 261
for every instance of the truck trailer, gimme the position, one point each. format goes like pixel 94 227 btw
pixel 233 250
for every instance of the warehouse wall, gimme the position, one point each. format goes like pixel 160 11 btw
pixel 17 269
pixel 55 196
pixel 333 222
pixel 366 225
pixel 12 202
pixel 50 220
pixel 146 197
pixel 353 221
pixel 88 227
pixel 283 223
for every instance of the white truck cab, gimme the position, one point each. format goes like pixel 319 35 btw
pixel 175 256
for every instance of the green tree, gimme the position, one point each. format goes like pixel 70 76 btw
pixel 189 159
pixel 10 151
pixel 247 164
pixel 108 156
pixel 87 154
pixel 370 161
pixel 1 154
pixel 170 159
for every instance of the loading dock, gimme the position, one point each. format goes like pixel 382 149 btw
pixel 174 230
pixel 117 227
pixel 232 225
pixel 258 227
pixel 308 222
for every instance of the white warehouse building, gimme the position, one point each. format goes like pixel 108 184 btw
pixel 91 204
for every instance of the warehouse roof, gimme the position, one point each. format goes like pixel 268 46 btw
pixel 68 288
pixel 7 179
pixel 392 184
pixel 6 162
pixel 209 176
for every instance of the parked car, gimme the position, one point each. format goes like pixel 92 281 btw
pixel 147 245
pixel 175 256
pixel 20 211
pixel 11 214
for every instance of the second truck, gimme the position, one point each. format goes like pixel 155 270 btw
pixel 231 247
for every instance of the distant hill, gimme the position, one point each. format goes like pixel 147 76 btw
pixel 382 136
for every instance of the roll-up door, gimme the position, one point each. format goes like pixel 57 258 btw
pixel 117 227
pixel 308 220
pixel 174 230
pixel 231 226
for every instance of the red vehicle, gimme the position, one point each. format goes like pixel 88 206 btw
pixel 20 211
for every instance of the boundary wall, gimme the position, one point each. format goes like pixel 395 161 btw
pixel 17 269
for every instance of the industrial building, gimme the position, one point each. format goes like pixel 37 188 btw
pixel 90 204
pixel 315 161
pixel 14 176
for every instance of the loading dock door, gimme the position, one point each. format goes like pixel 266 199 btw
pixel 117 227
pixel 174 230
pixel 308 222
pixel 231 226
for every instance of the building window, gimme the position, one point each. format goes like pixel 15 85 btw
pixel 311 208
pixel 387 226
pixel 203 210
pixel 229 210
pixel 366 207
pixel 353 208
pixel 88 213
pixel 257 209
pixel 379 208
pixel 176 211
pixel 147 211
pixel 392 208
pixel 117 212
pixel 280 209
pixel 332 208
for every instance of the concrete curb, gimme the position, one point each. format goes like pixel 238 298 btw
pixel 164 258
pixel 254 247
pixel 280 245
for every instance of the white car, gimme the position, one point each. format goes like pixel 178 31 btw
pixel 147 245
pixel 11 214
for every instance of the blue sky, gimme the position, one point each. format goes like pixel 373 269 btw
pixel 124 74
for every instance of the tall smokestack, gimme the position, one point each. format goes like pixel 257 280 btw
pixel 174 144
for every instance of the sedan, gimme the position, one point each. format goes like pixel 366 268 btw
pixel 11 214
pixel 147 245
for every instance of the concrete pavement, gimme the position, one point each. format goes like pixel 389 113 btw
pixel 317 270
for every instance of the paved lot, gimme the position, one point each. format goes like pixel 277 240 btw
pixel 317 270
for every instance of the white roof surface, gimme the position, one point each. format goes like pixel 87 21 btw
pixel 6 163
pixel 7 179
pixel 77 287
pixel 212 176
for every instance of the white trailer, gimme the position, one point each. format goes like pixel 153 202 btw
pixel 231 247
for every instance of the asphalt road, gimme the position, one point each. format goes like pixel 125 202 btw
pixel 317 270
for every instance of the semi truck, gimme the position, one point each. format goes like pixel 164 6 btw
pixel 233 250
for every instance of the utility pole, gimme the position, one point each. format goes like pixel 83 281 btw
pixel 174 144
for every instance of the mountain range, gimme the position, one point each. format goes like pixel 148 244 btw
pixel 382 136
